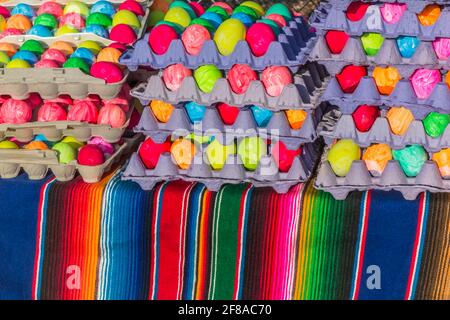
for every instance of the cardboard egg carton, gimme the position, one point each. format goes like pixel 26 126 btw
pixel 292 49
pixel 302 94
pixel 392 178
pixel 75 37
pixel 413 5
pixel 55 131
pixel 37 163
pixel 266 174
pixel 336 126
pixel 245 125
pixel 329 17
pixel 403 95
pixel 389 55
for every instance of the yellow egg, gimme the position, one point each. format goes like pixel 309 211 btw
pixel 255 6
pixel 2 23
pixel 179 16
pixel 229 33
pixel 341 156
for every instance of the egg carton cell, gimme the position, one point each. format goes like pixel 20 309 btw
pixel 56 130
pixel 292 49
pixel 233 172
pixel 37 163
pixel 334 126
pixel 78 36
pixel 392 178
pixel 388 55
pixel 331 18
pixel 403 95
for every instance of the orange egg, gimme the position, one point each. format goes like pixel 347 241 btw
pixel 8 48
pixel 109 54
pixel 62 46
pixel 36 145
pixel 19 22
pixel 183 152
pixel 161 110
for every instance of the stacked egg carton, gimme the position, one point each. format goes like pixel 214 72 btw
pixel 403 42
pixel 63 88
pixel 221 123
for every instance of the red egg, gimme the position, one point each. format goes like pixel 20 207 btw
pixel 149 152
pixel 228 113
pixel 240 76
pixel 350 77
pixel 174 75
pixel 84 111
pixel 132 6
pixel 108 71
pixel 34 99
pixel 275 78
pixel 259 37
pixel 16 111
pixel 119 46
pixel 197 7
pixel 112 115
pixel 364 117
pixel 283 156
pixel 336 41
pixel 160 38
pixel 55 55
pixel 356 10
pixel 90 155
pixel 194 37
pixel 278 19
pixel 46 63
pixel 122 33
pixel 72 19
pixel 50 112
pixel 4 12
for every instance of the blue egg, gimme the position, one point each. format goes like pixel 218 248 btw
pixel 244 18
pixel 195 111
pixel 28 56
pixel 40 31
pixel 407 46
pixel 213 18
pixel 23 9
pixel 98 30
pixel 85 54
pixel 262 116
pixel 104 7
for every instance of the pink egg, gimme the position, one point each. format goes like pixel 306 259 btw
pixel 90 155
pixel 119 46
pixel 278 19
pixel 174 75
pixel 223 5
pixel 10 32
pixel 392 12
pixel 194 37
pixel 160 38
pixel 442 48
pixel 63 99
pixel 112 115
pixel 423 82
pixel 46 63
pixel 95 99
pixel 50 7
pixel 275 79
pixel 123 33
pixel 16 111
pixel 72 19
pixel 259 37
pixel 132 6
pixel 34 99
pixel 4 12
pixel 240 76
pixel 108 71
pixel 50 112
pixel 197 7
pixel 105 146
pixel 84 111
pixel 55 55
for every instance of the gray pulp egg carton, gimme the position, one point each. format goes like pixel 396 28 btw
pixel 278 127
pixel 413 5
pixel 389 55
pixel 403 95
pixel 302 94
pixel 37 163
pixel 393 178
pixel 331 18
pixel 336 126
pixel 292 49
pixel 266 174
pixel 55 131
pixel 80 36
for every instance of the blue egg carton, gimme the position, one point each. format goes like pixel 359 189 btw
pixel 292 49
pixel 413 5
pixel 328 17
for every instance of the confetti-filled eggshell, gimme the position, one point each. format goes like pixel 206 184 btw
pixel 65 152
pixel 275 78
pixel 18 64
pixel 47 20
pixel 54 54
pixel 281 9
pixel 262 116
pixel 85 54
pixel 435 124
pixel 90 155
pixel 240 76
pixel 407 46
pixel 184 5
pixel 19 22
pixel 98 30
pixel 228 35
pixel 278 19
pixel 372 43
pixel 108 71
pixel 4 59
pixel 65 29
pixel 45 63
pixel 149 152
pixel 213 18
pixel 442 159
pixel 50 112
pixel 28 56
pixel 272 24
pixel 62 46
pixel 133 6
pixel 218 10
pixel 4 12
pixel 36 145
pixel 392 12
pixel 341 156
pixel 350 77
pixel 6 144
pixel 386 79
pixel 174 75
pixel 77 63
pixel 23 9
pixel 50 7
pixel 126 17
pixel 296 118
pixel 364 117
pixel 105 146
pixel 195 111
pixel 197 7
pixel 104 7
pixel 411 159
pixel 228 113
pixel 109 54
pixel 423 82
pixel 15 111
pixel 399 119
pixel 160 38
pixel 194 37
pixel 76 7
pixel 429 15
pixel 377 157
pixel 259 37
pixel 40 31
pixel 255 6
pixel 32 46
pixel 442 48
pixel 161 110
pixel 112 115
pixel 183 152
pixel 204 23
pixel 206 77
pixel 179 16
pixel 217 154
pixel 356 10
pixel 224 6
pixel 251 149
pixel 9 48
pixel 123 33
pixel 74 20
pixel 283 156
pixel 244 18
pixel 99 19
pixel 248 11
pixel 336 41
pixel 84 111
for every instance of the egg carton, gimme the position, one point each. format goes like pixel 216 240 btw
pixel 75 37
pixel 278 127
pixel 37 163
pixel 266 174
pixel 55 131
pixel 330 18
pixel 292 49
pixel 393 178
pixel 389 55
pixel 336 126
pixel 413 5
pixel 403 95
pixel 303 94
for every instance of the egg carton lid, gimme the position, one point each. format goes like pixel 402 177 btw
pixel 244 125
pixel 413 5
pixel 392 178
pixel 80 36
pixel 37 163
pixel 291 50
pixel 55 131
pixel 336 126
pixel 330 18
pixel 403 95
pixel 388 55
pixel 266 174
